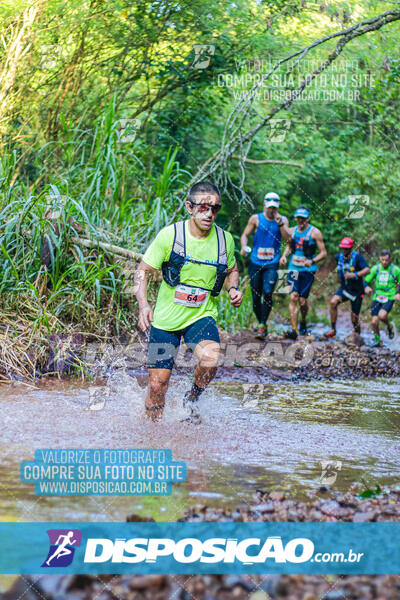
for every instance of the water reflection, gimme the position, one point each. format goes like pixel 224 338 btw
pixel 253 437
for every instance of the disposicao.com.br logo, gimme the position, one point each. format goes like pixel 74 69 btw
pixel 248 551
pixel 62 547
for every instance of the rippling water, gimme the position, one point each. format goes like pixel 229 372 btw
pixel 270 437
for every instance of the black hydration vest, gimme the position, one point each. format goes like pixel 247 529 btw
pixel 309 244
pixel 171 269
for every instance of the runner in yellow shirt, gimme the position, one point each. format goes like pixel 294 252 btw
pixel 197 259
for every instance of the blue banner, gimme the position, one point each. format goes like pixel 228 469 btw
pixel 184 548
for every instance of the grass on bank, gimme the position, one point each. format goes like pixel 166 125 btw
pixel 95 179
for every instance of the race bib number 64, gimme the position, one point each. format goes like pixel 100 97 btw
pixel 190 296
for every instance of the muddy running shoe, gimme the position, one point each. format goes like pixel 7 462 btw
pixel 291 334
pixel 261 333
pixel 303 328
pixel 191 406
pixel 330 334
pixel 390 329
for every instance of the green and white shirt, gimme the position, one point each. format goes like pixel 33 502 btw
pixel 386 281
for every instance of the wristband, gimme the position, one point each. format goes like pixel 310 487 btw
pixel 233 287
pixel 281 224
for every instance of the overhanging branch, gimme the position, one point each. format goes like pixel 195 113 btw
pixel 288 163
pixel 233 139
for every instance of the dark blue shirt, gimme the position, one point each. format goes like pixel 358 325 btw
pixel 352 264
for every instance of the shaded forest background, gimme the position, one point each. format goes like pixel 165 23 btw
pixel 109 109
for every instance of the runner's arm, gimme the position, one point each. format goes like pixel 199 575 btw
pixel 357 274
pixel 231 282
pixel 362 272
pixel 317 236
pixel 248 230
pixel 369 279
pixel 285 230
pixel 286 252
pixel 397 277
pixel 145 310
pixel 371 275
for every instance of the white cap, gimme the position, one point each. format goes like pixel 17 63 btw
pixel 271 199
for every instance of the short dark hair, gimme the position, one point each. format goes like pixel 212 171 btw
pixel 203 187
pixel 386 253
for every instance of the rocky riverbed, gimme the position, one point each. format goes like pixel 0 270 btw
pixel 205 587
pixel 242 357
pixel 354 506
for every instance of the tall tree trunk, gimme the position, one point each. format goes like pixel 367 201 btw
pixel 16 56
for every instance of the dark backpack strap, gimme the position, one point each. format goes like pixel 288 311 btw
pixel 293 241
pixel 171 268
pixel 340 264
pixel 222 266
pixel 222 255
pixel 309 232
pixel 179 245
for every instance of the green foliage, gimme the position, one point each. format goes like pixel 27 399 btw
pixel 90 68
pixel 369 493
pixel 80 286
pixel 231 318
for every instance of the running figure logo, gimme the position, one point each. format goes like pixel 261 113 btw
pixel 62 542
pixel 202 55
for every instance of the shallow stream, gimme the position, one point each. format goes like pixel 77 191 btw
pixel 272 436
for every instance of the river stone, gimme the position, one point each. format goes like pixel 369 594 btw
pixel 231 581
pixel 23 587
pixel 354 339
pixel 51 587
pixel 339 594
pixel 271 584
pixel 278 496
pixel 333 509
pixel 134 518
pixel 259 595
pixel 266 507
pixel 363 517
pixel 141 582
pixel 293 515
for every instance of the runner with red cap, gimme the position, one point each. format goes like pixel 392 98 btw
pixel 351 268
